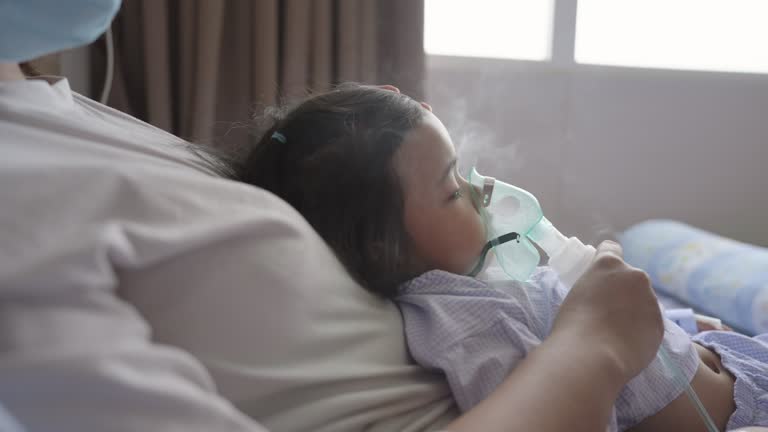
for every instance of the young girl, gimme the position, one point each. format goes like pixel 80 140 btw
pixel 375 173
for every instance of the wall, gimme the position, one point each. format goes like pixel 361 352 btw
pixel 607 147
pixel 75 65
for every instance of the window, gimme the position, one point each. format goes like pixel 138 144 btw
pixel 716 35
pixel 720 35
pixel 516 29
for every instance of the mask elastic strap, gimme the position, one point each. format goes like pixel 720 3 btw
pixel 488 185
pixel 500 240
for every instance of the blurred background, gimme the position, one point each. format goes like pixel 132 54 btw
pixel 610 111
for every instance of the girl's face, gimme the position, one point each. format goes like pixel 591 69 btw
pixel 440 215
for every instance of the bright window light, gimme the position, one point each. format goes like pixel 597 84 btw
pixel 516 29
pixel 717 35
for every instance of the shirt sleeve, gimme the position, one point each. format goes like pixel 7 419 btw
pixel 475 334
pixel 475 365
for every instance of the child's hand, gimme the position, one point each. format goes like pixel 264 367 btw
pixel 706 323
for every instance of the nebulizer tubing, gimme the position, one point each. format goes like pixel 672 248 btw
pixel 513 219
pixel 678 376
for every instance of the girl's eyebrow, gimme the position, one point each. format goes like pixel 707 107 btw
pixel 448 169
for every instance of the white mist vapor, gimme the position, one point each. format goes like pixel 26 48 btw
pixel 477 145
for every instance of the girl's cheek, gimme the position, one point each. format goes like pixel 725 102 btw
pixel 481 234
pixel 476 229
pixel 472 194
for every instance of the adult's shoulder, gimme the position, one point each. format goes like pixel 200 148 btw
pixel 96 204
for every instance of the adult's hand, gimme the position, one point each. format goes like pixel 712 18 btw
pixel 608 329
pixel 612 308
pixel 389 87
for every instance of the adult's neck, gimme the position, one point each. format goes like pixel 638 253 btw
pixel 10 72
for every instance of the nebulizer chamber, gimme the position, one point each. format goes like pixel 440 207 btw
pixel 513 219
pixel 569 257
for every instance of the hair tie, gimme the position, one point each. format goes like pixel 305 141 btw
pixel 277 136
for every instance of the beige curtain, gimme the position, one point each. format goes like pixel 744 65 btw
pixel 198 67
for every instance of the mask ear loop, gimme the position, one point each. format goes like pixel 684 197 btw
pixel 500 240
pixel 110 67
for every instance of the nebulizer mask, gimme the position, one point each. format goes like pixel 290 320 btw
pixel 514 221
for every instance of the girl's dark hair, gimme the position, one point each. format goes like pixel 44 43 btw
pixel 332 161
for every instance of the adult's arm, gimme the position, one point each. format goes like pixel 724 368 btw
pixel 607 330
pixel 577 386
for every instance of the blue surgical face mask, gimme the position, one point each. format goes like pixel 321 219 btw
pixel 33 28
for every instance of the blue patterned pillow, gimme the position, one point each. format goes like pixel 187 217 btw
pixel 714 274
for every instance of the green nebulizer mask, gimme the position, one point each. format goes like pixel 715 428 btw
pixel 513 220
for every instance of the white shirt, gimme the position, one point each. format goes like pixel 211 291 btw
pixel 120 254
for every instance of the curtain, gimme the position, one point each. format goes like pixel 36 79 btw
pixel 198 68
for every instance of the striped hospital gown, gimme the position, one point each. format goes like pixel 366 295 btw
pixel 476 331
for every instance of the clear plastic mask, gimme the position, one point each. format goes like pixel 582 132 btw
pixel 509 214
